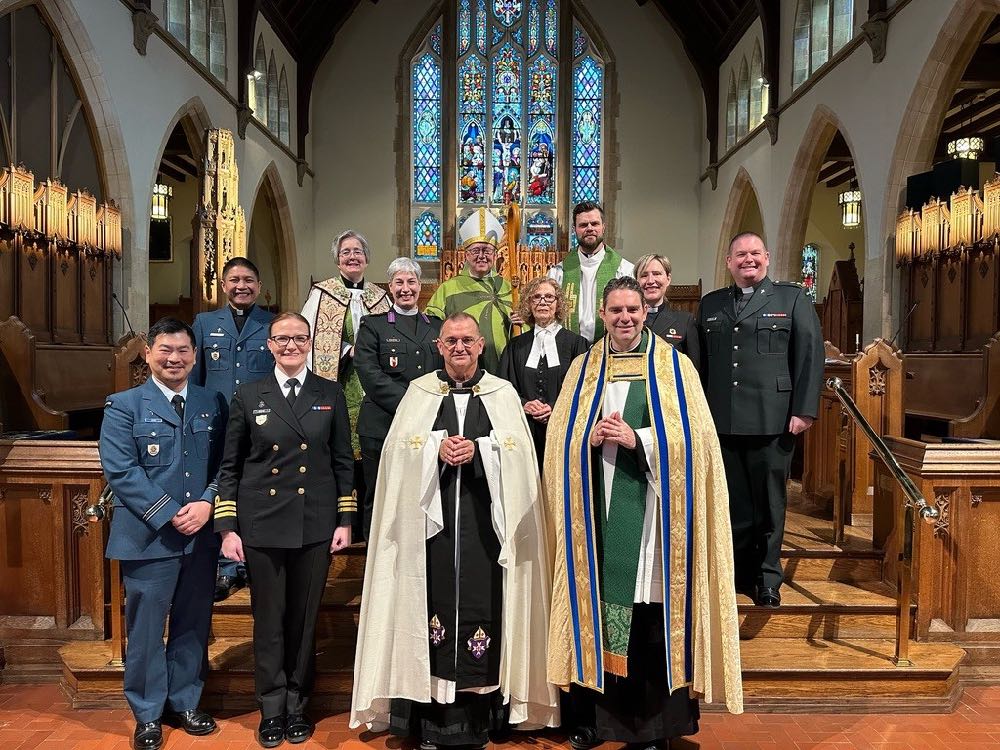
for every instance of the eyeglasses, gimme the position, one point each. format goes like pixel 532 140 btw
pixel 549 298
pixel 300 340
pixel 350 252
pixel 468 342
pixel 481 253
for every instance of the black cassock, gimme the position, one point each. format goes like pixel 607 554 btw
pixel 542 382
pixel 464 593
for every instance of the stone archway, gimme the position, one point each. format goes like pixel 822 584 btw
pixel 272 191
pixel 819 134
pixel 742 196
pixel 920 125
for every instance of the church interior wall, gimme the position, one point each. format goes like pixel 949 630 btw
pixel 660 127
pixel 868 102
pixel 170 279
pixel 147 94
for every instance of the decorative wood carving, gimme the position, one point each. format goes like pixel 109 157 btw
pixel 975 499
pixel 79 503
pixel 942 501
pixel 45 494
pixel 876 381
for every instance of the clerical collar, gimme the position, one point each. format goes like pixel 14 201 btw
pixel 650 308
pixel 401 311
pixel 450 385
pixel 554 327
pixel 591 260
pixel 239 313
pixel 638 343
pixel 352 284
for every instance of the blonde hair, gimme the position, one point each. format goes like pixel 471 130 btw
pixel 645 260
pixel 524 305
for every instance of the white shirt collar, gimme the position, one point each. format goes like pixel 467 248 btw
pixel 168 393
pixel 401 311
pixel 554 327
pixel 592 260
pixel 283 379
pixel 544 342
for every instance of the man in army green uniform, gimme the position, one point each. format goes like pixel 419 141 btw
pixel 762 366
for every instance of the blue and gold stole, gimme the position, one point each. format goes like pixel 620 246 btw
pixel 673 478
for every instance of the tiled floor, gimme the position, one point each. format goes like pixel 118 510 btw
pixel 37 716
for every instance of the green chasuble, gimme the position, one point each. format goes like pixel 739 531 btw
pixel 488 300
pixel 571 286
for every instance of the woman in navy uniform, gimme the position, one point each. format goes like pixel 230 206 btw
pixel 674 326
pixel 536 361
pixel 286 503
pixel 391 350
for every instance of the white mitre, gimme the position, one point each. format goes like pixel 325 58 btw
pixel 480 226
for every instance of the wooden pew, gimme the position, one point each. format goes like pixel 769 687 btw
pixel 953 394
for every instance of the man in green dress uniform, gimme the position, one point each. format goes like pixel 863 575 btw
pixel 478 290
pixel 762 365
pixel 584 274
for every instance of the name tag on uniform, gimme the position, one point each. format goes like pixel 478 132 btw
pixel 322 407
pixel 152 419
pixel 392 341
pixel 774 315
pixel 261 411
pixel 217 333
pixel 711 320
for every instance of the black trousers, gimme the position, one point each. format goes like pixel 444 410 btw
pixel 757 469
pixel 371 452
pixel 287 591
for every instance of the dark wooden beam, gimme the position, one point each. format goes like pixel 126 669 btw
pixel 180 165
pixel 172 172
pixel 983 70
pixel 843 179
pixel 832 170
pixel 972 111
pixel 738 26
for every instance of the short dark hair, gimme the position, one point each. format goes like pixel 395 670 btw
pixel 740 236
pixel 622 283
pixel 288 315
pixel 166 326
pixel 239 261
pixel 584 206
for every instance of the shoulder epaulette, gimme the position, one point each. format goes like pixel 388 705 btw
pixel 790 283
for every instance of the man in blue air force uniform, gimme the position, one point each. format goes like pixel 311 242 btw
pixel 161 444
pixel 232 349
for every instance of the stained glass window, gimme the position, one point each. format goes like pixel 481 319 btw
pixel 426 130
pixel 200 25
pixel 507 121
pixel 427 236
pixel 822 27
pixel 810 269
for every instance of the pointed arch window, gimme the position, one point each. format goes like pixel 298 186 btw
pixel 272 95
pixel 283 107
pixel 757 102
pixel 822 28
pixel 743 101
pixel 200 25
pixel 260 82
pixel 506 125
pixel 731 112
pixel 810 269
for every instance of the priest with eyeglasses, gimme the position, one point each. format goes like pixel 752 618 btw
pixel 451 641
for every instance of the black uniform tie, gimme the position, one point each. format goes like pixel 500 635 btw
pixel 741 300
pixel 178 402
pixel 292 382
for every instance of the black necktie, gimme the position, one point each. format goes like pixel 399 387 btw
pixel 292 382
pixel 741 300
pixel 178 402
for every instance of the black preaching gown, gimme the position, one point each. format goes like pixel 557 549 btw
pixel 464 596
pixel 542 382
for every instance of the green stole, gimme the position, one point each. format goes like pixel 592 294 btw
pixel 571 286
pixel 354 394
pixel 620 525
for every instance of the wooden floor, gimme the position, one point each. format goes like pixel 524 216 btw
pixel 38 717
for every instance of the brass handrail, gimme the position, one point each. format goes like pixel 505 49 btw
pixel 914 502
pixel 97 513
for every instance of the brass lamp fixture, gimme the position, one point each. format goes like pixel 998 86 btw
pixel 850 206
pixel 160 208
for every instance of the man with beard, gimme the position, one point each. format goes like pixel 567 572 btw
pixel 762 365
pixel 334 310
pixel 643 611
pixel 584 273
pixel 232 349
pixel 477 289
pixel 455 605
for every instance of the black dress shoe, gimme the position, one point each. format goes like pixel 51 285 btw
pixel 148 735
pixel 768 597
pixel 298 728
pixel 271 732
pixel 428 745
pixel 192 721
pixel 584 738
pixel 226 586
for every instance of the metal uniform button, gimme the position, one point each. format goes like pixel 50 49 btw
pixel 736 348
pixel 274 447
pixel 737 328
pixel 237 364
pixel 239 348
pixel 152 434
pixel 187 473
pixel 736 364
pixel 272 492
pixel 303 446
pixel 302 470
pixel 274 471
pixel 774 325
pixel 735 382
pixel 185 453
pixel 237 382
pixel 187 494
pixel 302 490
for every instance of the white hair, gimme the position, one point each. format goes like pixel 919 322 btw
pixel 403 265
pixel 347 234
